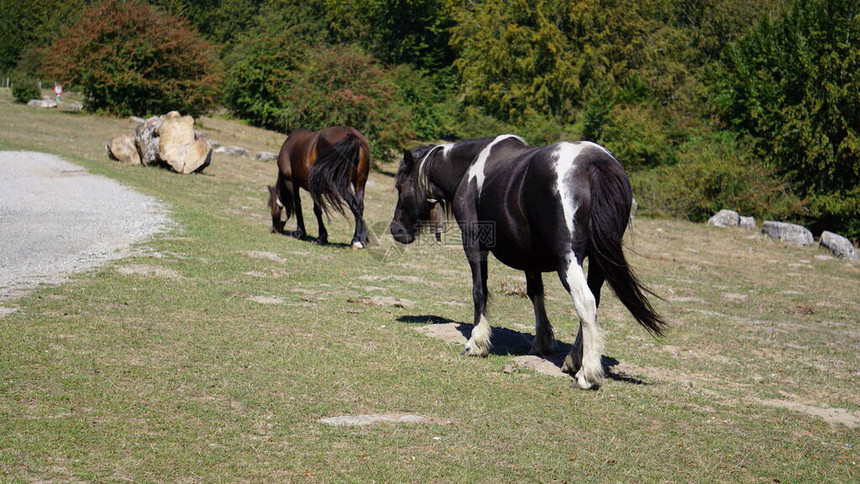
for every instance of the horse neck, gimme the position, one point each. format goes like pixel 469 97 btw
pixel 451 163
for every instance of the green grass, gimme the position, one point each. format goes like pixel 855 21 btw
pixel 164 367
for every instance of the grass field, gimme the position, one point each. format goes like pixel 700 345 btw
pixel 212 355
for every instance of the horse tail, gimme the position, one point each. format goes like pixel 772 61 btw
pixel 331 174
pixel 282 195
pixel 611 198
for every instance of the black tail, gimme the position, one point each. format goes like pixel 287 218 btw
pixel 611 198
pixel 282 192
pixel 332 173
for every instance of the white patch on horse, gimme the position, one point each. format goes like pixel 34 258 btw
pixel 591 372
pixel 476 171
pixel 479 342
pixel 446 148
pixel 565 161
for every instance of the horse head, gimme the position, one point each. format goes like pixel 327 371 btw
pixel 414 200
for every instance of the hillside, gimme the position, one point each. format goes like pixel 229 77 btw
pixel 214 353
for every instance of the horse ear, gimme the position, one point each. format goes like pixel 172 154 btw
pixel 407 157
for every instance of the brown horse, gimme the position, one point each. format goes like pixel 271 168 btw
pixel 332 164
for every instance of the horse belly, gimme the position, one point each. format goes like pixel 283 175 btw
pixel 524 258
pixel 513 244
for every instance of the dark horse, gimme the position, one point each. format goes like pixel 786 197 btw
pixel 537 209
pixel 332 164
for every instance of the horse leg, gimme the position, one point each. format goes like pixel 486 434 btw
pixel 479 342
pixel 542 344
pixel 323 233
pixel 583 361
pixel 300 220
pixel 356 205
pixel 596 278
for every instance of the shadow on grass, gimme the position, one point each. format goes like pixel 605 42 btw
pixel 307 238
pixel 511 342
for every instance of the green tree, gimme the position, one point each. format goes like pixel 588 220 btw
pixel 220 21
pixel 793 86
pixel 26 25
pixel 515 58
pixel 397 31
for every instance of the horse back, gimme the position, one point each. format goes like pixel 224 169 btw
pixel 530 193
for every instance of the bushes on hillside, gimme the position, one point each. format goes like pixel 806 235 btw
pixel 128 57
pixel 714 172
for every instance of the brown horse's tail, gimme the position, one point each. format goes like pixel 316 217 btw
pixel 331 174
pixel 281 197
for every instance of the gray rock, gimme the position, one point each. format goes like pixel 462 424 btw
pixel 146 139
pixel 232 150
pixel 791 233
pixel 725 218
pixel 747 222
pixel 266 156
pixel 42 103
pixel 839 245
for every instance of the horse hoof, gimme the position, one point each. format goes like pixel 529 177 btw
pixel 357 245
pixel 298 235
pixel 567 366
pixel 582 382
pixel 470 351
pixel 321 241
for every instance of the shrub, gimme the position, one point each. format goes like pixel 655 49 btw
pixel 128 57
pixel 418 94
pixel 713 173
pixel 639 137
pixel 23 90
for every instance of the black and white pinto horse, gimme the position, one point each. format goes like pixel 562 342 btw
pixel 537 209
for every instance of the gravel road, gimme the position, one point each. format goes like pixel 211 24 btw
pixel 57 219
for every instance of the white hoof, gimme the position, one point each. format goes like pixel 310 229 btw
pixel 471 350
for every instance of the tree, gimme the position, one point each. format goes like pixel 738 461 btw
pixel 412 32
pixel 515 58
pixel 25 25
pixel 130 58
pixel 793 86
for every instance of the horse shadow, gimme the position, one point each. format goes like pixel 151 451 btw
pixel 509 342
pixel 307 238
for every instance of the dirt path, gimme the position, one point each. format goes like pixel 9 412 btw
pixel 57 219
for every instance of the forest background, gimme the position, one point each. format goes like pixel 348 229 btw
pixel 709 104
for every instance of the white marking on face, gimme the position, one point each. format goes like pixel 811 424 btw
pixel 565 161
pixel 476 171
